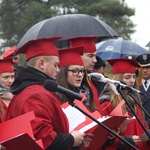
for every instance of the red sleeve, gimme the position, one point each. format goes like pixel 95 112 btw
pixel 50 118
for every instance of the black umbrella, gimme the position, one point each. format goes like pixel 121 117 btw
pixel 67 26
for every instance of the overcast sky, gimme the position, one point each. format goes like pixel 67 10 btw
pixel 142 19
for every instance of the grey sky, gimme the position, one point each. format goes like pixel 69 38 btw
pixel 142 19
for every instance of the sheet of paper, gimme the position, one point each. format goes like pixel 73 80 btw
pixel 83 123
pixel 75 117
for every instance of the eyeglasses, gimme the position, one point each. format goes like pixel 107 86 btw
pixel 76 72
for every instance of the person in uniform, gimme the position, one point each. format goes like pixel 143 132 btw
pixel 144 60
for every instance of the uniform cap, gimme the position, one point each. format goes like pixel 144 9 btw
pixel 144 60
pixel 86 41
pixel 70 56
pixel 39 47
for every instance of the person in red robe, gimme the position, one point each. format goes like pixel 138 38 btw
pixel 125 70
pixel 72 70
pixel 6 80
pixel 51 124
pixel 71 74
pixel 88 87
pixel 89 59
pixel 10 53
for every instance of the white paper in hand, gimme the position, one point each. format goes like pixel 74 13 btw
pixel 75 117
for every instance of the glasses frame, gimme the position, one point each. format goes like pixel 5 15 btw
pixel 76 72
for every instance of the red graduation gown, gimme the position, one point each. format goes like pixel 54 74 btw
pixel 5 107
pixel 132 128
pixel 49 115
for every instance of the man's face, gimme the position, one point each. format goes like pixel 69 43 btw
pixel 16 59
pixel 51 67
pixel 89 60
pixel 146 72
pixel 7 79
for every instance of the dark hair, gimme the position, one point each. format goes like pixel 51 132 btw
pixel 62 81
pixel 99 63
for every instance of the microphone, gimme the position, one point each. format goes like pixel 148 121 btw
pixel 100 78
pixel 53 86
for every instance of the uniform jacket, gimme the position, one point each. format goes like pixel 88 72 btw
pixel 146 101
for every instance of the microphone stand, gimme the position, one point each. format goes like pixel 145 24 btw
pixel 139 104
pixel 124 98
pixel 70 101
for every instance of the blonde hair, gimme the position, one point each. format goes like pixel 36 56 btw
pixel 116 99
pixel 32 61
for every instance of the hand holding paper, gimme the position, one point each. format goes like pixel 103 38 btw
pixel 86 141
pixel 87 125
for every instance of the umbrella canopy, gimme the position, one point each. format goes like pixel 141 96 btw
pixel 68 26
pixel 148 44
pixel 118 48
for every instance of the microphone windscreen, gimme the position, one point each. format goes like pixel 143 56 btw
pixel 123 88
pixel 50 85
pixel 96 76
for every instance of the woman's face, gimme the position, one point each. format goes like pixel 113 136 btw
pixel 129 79
pixel 75 75
pixel 7 78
